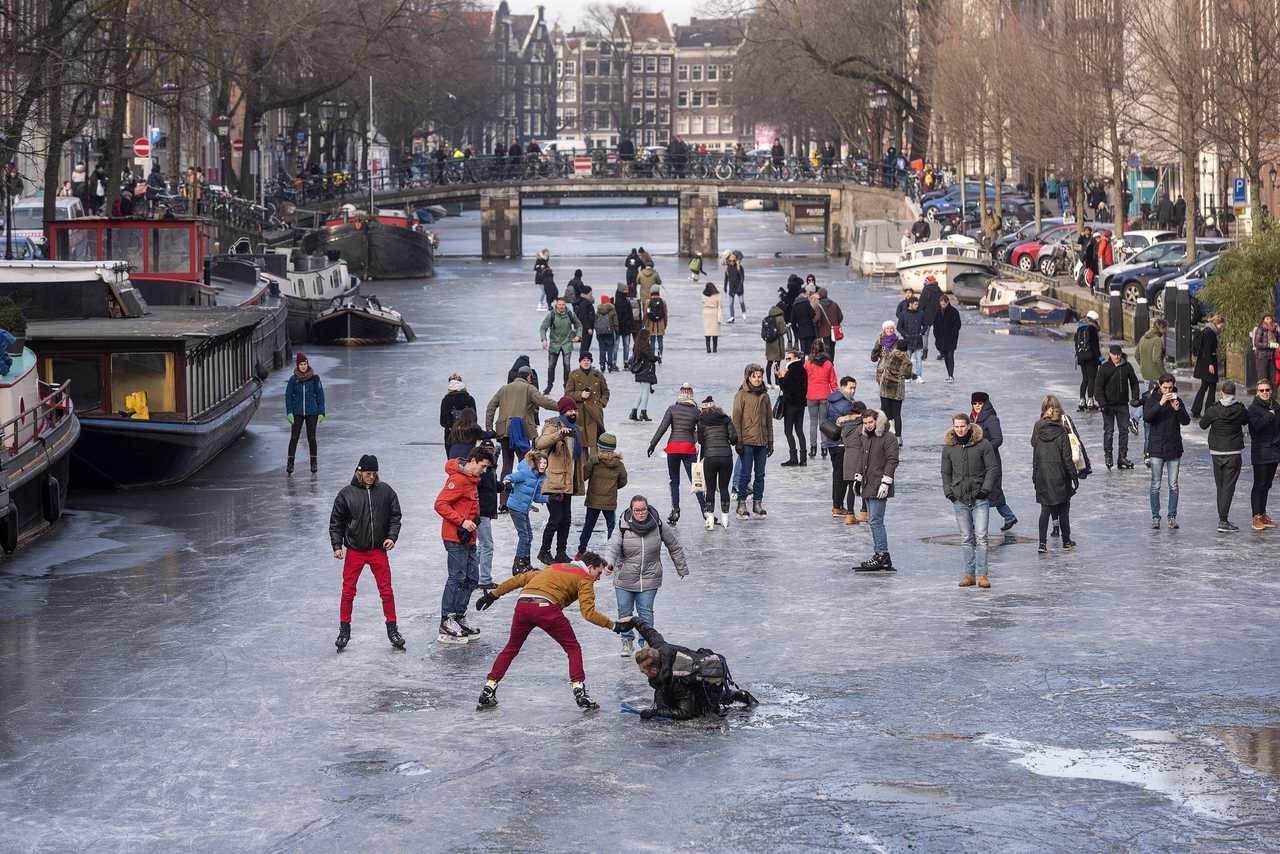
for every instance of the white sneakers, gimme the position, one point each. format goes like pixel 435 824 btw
pixel 724 520
pixel 710 519
pixel 628 648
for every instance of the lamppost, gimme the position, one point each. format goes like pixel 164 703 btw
pixel 326 143
pixel 879 101
pixel 10 185
pixel 259 128
pixel 1228 196
pixel 172 95
pixel 344 110
pixel 222 126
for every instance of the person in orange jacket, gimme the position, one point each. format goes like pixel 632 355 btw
pixel 459 506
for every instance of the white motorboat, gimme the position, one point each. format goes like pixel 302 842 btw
pixel 943 259
pixel 877 246
pixel 1001 292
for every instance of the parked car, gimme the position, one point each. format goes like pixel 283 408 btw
pixel 1194 277
pixel 28 216
pixel 1154 254
pixel 1135 241
pixel 1135 281
pixel 1003 246
pixel 1039 253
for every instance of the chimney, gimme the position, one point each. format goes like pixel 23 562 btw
pixel 541 11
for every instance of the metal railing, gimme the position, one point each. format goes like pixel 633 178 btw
pixel 34 423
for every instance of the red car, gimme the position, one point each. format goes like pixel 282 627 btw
pixel 1027 256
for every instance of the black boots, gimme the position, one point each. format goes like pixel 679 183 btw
pixel 314 465
pixel 1107 457
pixel 583 699
pixel 632 416
pixel 393 635
pixel 519 565
pixel 562 556
pixel 791 461
pixel 880 562
pixel 757 507
pixel 673 517
pixel 288 469
pixel 488 698
pixel 544 556
pixel 1123 463
pixel 644 415
pixel 742 509
pixel 344 635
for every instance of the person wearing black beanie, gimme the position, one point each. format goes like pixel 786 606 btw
pixel 366 523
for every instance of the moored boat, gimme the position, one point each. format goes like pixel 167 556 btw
pixel 877 246
pixel 1001 292
pixel 386 246
pixel 970 288
pixel 943 259
pixel 360 320
pixel 1039 310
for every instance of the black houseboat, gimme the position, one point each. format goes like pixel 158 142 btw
pixel 386 246
pixel 160 391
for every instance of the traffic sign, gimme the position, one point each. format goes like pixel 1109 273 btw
pixel 1239 190
pixel 237 145
pixel 142 147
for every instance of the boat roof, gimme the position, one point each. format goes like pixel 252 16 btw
pixel 164 323
pixel 61 271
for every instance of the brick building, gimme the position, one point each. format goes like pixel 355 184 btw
pixel 705 53
pixel 650 52
pixel 524 65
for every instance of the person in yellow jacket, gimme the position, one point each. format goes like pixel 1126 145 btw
pixel 544 596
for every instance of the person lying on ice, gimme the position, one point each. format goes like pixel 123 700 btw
pixel 686 683
pixel 544 596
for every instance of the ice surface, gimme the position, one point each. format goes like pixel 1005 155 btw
pixel 168 680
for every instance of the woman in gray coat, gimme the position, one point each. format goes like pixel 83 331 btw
pixel 635 553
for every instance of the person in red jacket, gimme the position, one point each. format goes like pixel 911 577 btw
pixel 459 506
pixel 822 382
pixel 1106 255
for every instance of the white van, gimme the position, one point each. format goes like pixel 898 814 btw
pixel 28 215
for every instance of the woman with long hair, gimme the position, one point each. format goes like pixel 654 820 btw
pixel 1053 471
pixel 644 367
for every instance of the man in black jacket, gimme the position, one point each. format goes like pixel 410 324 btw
pixel 1115 388
pixel 1206 369
pixel 686 683
pixel 946 335
pixel 969 472
pixel 1264 450
pixel 1225 421
pixel 366 520
pixel 1167 415
pixel 930 302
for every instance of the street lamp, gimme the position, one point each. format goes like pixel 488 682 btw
pixel 344 110
pixel 878 100
pixel 259 128
pixel 326 118
pixel 171 94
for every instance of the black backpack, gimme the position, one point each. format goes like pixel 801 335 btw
pixel 655 311
pixel 1083 350
pixel 769 330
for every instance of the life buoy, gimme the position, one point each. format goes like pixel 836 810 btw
pixel 51 499
pixel 9 530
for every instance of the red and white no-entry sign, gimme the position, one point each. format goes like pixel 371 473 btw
pixel 237 145
pixel 142 147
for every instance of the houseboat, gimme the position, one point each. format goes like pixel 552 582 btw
pixel 160 391
pixel 361 320
pixel 388 245
pixel 307 285
pixel 38 429
pixel 943 259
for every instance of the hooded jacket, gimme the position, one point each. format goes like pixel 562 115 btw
pixel 605 475
pixel 911 327
pixel 564 469
pixel 1150 355
pixel 305 397
pixel 364 517
pixel 753 412
pixel 826 315
pixel 635 552
pixel 733 279
pixel 626 319
pixel 526 486
pixel 821 374
pixel 930 301
pixel 946 329
pixel 872 458
pixel 716 436
pixel 1226 424
pixel 633 267
pixel 606 319
pixel 452 403
pixel 774 350
pixel 559 330
pixel 681 418
pixel 645 280
pixel 457 501
pixel 970 468
pixel 1165 441
pixel 989 421
pixel 839 406
pixel 804 320
pixel 655 327
pixel 1264 432
pixel 1052 471
pixel 1087 346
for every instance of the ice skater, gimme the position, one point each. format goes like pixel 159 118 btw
pixel 366 521
pixel 303 406
pixel 544 596
pixel 686 683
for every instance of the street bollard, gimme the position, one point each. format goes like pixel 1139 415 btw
pixel 1115 317
pixel 1141 318
pixel 1177 303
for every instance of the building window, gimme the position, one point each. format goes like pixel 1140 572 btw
pixel 664 64
pixel 570 119
pixel 695 125
pixel 664 88
pixel 682 72
pixel 603 68
pixel 603 92
pixel 603 120
pixel 570 67
pixel 606 48
pixel 650 87
pixel 648 117
pixel 588 68
pixel 696 99
pixel 713 124
pixel 726 99
pixel 571 90
pixel 589 93
pixel 713 72
pixel 664 136
pixel 651 65
pixel 559 68
pixel 635 115
pixel 682 124
pixel 637 64
pixel 664 114
pixel 712 98
pixel 697 72
pixel 682 98
pixel 726 72
pixel 586 121
pixel 726 124
pixel 648 137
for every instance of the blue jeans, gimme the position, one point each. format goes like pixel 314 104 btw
pixel 464 576
pixel 917 362
pixel 741 299
pixel 875 518
pixel 642 403
pixel 484 550
pixel 1006 512
pixel 973 535
pixel 626 347
pixel 524 531
pixel 656 342
pixel 752 456
pixel 640 603
pixel 1158 467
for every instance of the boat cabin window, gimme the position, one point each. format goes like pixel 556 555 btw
pixel 299 288
pixel 991 293
pixel 170 251
pixel 149 372
pixel 125 244
pixel 76 244
pixel 319 284
pixel 85 373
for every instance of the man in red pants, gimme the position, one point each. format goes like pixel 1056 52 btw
pixel 365 519
pixel 545 595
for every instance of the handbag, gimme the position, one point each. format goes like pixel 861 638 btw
pixel 836 334
pixel 698 478
pixel 1077 447
pixel 830 430
pixel 777 408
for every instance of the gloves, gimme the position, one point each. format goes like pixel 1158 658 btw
pixel 982 495
pixel 485 601
pixel 738 448
pixel 290 417
pixel 768 453
pixel 648 714
pixel 320 420
pixel 883 492
pixel 651 450
pixel 623 625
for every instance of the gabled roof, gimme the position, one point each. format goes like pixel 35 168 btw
pixel 646 26
pixel 481 22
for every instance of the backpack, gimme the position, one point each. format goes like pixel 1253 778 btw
pixel 769 330
pixel 1083 353
pixel 655 311
pixel 605 322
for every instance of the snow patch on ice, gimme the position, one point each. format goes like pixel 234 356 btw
pixel 412 768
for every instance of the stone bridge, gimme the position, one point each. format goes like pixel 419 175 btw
pixel 699 200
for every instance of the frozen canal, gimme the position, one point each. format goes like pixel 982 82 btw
pixel 168 680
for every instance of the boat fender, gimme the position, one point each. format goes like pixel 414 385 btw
pixel 51 499
pixel 9 530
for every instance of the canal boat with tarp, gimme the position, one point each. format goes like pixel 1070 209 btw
pixel 388 245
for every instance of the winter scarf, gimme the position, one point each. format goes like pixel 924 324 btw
pixel 650 522
pixel 304 376
pixel 577 435
pixel 887 341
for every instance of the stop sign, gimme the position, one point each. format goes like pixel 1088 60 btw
pixel 142 147
pixel 237 145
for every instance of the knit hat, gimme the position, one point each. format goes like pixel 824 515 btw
pixel 585 355
pixel 299 358
pixel 607 442
pixel 1092 315
pixel 605 300
pixel 980 397
pixel 567 404
pixel 368 463
pixel 1116 349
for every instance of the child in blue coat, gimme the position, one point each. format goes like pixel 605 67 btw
pixel 303 404
pixel 525 484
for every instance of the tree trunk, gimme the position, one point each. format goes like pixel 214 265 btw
pixel 1035 192
pixel 119 87
pixel 53 154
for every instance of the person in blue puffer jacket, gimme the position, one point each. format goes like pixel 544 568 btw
pixel 303 404
pixel 525 486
